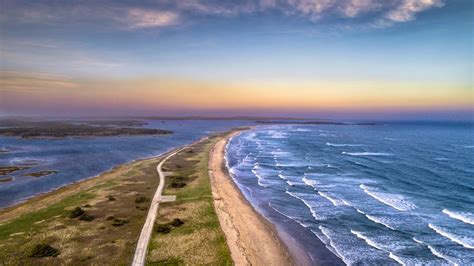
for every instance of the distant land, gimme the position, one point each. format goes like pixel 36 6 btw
pixel 61 129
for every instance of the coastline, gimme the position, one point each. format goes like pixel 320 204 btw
pixel 252 239
pixel 299 243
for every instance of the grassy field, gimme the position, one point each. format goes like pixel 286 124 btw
pixel 104 231
pixel 199 239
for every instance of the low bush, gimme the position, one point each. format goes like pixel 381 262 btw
pixel 177 222
pixel 163 228
pixel 141 199
pixel 119 222
pixel 78 211
pixel 177 184
pixel 43 250
pixel 86 217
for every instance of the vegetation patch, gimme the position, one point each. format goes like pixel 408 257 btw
pixel 141 199
pixel 78 211
pixel 197 229
pixel 5 170
pixel 6 179
pixel 119 222
pixel 43 250
pixel 99 232
pixel 41 173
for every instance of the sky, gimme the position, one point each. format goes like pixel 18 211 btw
pixel 361 59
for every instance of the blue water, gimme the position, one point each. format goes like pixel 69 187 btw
pixel 79 158
pixel 385 194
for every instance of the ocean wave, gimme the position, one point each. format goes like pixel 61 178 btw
pixel 469 146
pixel 260 179
pixel 294 183
pixel 464 217
pixel 375 219
pixel 326 135
pixel 369 241
pixel 395 201
pixel 466 242
pixel 440 255
pixel 307 203
pixel 367 153
pixel 327 233
pixel 334 201
pixel 344 145
pixel 310 182
pixel 396 258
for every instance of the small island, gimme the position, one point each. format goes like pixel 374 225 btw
pixel 61 129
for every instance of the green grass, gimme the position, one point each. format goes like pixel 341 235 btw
pixel 195 202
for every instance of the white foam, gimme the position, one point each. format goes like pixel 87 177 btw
pixel 463 241
pixel 260 179
pixel 334 201
pixel 309 182
pixel 311 208
pixel 395 201
pixel 367 240
pixel 441 255
pixel 396 258
pixel 333 248
pixel 464 217
pixel 375 219
pixel 418 241
pixel 367 153
pixel 344 145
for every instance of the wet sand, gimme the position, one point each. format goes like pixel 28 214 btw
pixel 251 238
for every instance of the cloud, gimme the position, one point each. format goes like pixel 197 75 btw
pixel 129 14
pixel 408 8
pixel 143 18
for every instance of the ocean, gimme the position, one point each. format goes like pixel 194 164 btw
pixel 395 193
pixel 78 158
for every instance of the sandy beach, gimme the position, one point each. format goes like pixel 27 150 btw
pixel 252 240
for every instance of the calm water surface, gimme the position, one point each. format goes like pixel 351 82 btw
pixel 79 158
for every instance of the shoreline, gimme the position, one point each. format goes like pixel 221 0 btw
pixel 251 238
pixel 293 237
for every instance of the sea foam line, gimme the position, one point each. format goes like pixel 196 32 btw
pixel 441 255
pixel 464 217
pixel 367 240
pixel 333 248
pixel 395 201
pixel 375 220
pixel 334 201
pixel 344 145
pixel 451 236
pixel 435 252
pixel 367 153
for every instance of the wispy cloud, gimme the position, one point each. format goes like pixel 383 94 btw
pixel 407 10
pixel 143 18
pixel 164 13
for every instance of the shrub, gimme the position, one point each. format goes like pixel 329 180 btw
pixel 141 199
pixel 76 212
pixel 163 228
pixel 119 222
pixel 86 217
pixel 43 250
pixel 177 222
pixel 177 184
